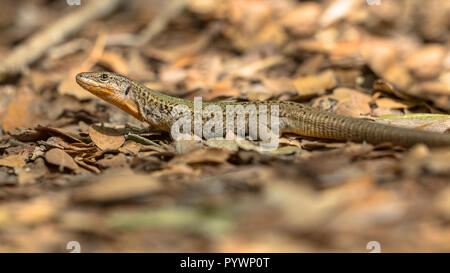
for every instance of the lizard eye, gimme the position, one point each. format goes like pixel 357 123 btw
pixel 104 77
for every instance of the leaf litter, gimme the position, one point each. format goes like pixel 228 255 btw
pixel 73 167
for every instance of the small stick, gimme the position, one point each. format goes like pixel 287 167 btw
pixel 139 139
pixel 33 48
pixel 153 28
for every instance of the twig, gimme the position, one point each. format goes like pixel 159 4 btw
pixel 256 66
pixel 33 48
pixel 139 139
pixel 416 116
pixel 154 27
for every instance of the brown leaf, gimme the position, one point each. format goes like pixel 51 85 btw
pixel 303 19
pixel 60 158
pixel 83 164
pixel 435 125
pixel 391 103
pixel 211 155
pixel 70 86
pixel 398 75
pixel 336 10
pixel 14 161
pixel 427 62
pixel 106 138
pixel 315 84
pixel 22 111
pixel 70 135
pixel 114 61
pixel 114 161
pixel 117 186
pixel 37 211
pixel 442 203
pixel 131 147
pixel 32 172
pixel 350 102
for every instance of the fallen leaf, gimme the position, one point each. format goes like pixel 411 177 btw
pixel 36 211
pixel 83 164
pixel 315 84
pixel 345 101
pixel 427 62
pixel 229 144
pixel 29 175
pixel 60 158
pixel 442 203
pixel 22 111
pixel 131 147
pixel 114 61
pixel 175 218
pixel 69 86
pixel 106 138
pixel 70 135
pixel 391 103
pixel 285 150
pixel 117 186
pixel 440 123
pixel 211 155
pixel 114 161
pixel 303 19
pixel 336 10
pixel 14 161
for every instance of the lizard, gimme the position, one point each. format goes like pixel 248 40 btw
pixel 155 108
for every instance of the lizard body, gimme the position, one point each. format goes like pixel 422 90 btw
pixel 156 108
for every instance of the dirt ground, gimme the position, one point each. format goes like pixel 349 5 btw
pixel 76 172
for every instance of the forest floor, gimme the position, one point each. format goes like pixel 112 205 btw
pixel 75 168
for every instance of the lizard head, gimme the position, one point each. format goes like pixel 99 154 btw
pixel 111 87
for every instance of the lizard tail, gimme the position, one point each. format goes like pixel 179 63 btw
pixel 321 124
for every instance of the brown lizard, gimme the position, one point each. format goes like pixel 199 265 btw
pixel 155 108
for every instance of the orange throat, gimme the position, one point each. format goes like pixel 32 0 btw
pixel 129 107
pixel 125 104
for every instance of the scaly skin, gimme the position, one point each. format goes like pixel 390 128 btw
pixel 156 109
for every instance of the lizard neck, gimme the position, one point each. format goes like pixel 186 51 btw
pixel 156 108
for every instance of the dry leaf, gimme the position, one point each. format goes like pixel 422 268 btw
pixel 427 62
pixel 36 211
pixel 117 186
pixel 131 147
pixel 70 135
pixel 70 87
pixel 346 101
pixel 436 125
pixel 223 143
pixel 114 161
pixel 106 138
pixel 303 19
pixel 22 112
pixel 60 158
pixel 114 61
pixel 315 84
pixel 211 155
pixel 336 10
pixel 30 174
pixel 391 103
pixel 14 161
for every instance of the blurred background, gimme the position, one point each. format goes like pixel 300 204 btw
pixel 75 169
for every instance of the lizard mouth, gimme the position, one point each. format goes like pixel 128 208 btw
pixel 93 86
pixel 109 95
